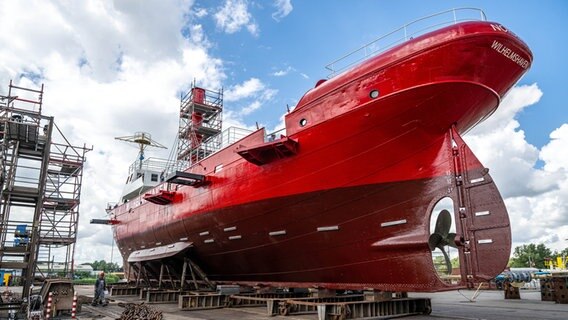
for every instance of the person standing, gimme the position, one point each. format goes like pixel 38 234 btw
pixel 100 287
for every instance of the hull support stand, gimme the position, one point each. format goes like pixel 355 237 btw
pixel 194 267
pixel 161 275
pixel 183 273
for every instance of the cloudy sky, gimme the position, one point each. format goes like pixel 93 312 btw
pixel 112 68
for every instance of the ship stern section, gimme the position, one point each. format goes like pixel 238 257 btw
pixel 483 232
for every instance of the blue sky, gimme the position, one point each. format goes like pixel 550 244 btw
pixel 112 68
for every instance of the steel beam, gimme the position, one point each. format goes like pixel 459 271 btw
pixel 202 302
pixel 163 296
pixel 124 291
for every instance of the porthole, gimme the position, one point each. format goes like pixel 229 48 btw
pixel 303 122
pixel 374 94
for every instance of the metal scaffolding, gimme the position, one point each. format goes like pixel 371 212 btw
pixel 40 188
pixel 199 122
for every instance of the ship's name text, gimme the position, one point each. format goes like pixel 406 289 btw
pixel 507 52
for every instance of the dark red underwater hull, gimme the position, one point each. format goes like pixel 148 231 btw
pixel 352 208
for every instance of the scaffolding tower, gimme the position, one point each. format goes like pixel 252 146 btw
pixel 40 188
pixel 199 124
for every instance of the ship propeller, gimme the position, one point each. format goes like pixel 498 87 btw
pixel 442 237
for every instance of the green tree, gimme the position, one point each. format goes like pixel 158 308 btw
pixel 455 262
pixel 102 265
pixel 99 265
pixel 530 255
pixel 113 267
pixel 82 274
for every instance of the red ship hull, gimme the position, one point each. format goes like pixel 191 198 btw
pixel 352 208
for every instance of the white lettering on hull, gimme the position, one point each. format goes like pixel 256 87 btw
pixel 498 27
pixel 508 53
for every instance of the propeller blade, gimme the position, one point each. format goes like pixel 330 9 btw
pixel 448 261
pixel 434 241
pixel 443 223
pixel 450 240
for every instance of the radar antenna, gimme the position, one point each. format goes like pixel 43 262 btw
pixel 144 140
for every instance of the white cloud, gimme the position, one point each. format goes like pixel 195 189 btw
pixel 109 70
pixel 536 198
pixel 305 76
pixel 252 92
pixel 234 15
pixel 200 12
pixel 244 90
pixel 283 8
pixel 258 101
pixel 253 29
pixel 555 153
pixel 283 72
pixel 268 94
pixel 519 98
pixel 250 108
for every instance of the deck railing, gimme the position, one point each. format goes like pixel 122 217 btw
pixel 406 32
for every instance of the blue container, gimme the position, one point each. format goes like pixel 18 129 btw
pixel 21 230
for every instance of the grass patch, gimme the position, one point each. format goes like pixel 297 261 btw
pixel 110 279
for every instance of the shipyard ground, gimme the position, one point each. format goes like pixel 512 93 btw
pixel 445 305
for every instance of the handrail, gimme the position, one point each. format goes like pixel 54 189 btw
pixel 374 47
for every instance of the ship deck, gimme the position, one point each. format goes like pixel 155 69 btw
pixel 490 304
